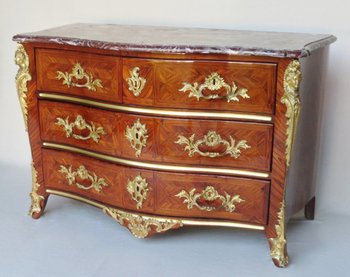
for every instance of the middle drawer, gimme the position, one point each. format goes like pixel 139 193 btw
pixel 165 140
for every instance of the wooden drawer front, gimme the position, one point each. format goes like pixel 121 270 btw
pixel 172 84
pixel 97 77
pixel 78 126
pixel 208 196
pixel 160 192
pixel 176 141
pixel 113 180
pixel 231 144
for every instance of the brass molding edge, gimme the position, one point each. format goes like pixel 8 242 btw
pixel 189 222
pixel 291 98
pixel 22 77
pixel 76 197
pixel 154 166
pixel 35 197
pixel 162 112
pixel 279 243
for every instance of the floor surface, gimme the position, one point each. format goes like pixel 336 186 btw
pixel 75 239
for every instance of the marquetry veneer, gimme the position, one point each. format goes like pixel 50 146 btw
pixel 164 127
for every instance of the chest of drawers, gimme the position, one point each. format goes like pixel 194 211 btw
pixel 166 127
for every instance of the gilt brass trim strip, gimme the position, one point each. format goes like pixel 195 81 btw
pixel 161 112
pixel 154 166
pixel 75 197
pixel 190 222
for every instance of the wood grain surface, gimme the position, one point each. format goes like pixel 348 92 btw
pixel 104 68
pixel 165 78
pixel 163 187
pixel 166 68
pixel 163 133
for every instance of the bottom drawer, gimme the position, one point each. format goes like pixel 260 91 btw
pixel 161 193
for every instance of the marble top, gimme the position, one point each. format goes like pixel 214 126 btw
pixel 181 40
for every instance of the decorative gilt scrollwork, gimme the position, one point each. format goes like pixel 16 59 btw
pixel 80 123
pixel 142 226
pixel 279 243
pixel 291 98
pixel 215 82
pixel 137 136
pixel 96 183
pixel 135 82
pixel 212 139
pixel 36 198
pixel 209 194
pixel 292 79
pixel 138 189
pixel 22 77
pixel 78 72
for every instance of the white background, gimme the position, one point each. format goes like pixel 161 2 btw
pixel 312 16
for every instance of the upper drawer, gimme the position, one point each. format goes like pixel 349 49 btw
pixel 232 86
pixel 76 73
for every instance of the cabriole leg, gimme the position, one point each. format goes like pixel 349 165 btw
pixel 278 244
pixel 278 251
pixel 37 196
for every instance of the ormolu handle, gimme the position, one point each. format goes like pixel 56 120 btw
pixel 80 123
pixel 78 72
pixel 212 139
pixel 82 173
pixel 209 195
pixel 215 82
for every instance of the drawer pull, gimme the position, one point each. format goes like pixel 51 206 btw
pixel 135 82
pixel 80 123
pixel 78 72
pixel 208 200
pixel 82 173
pixel 215 82
pixel 137 136
pixel 138 189
pixel 212 139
